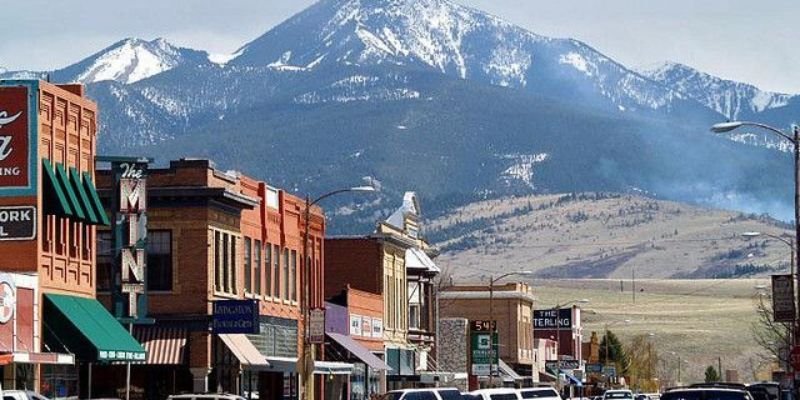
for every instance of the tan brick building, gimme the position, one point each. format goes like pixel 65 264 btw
pixel 512 309
pixel 215 235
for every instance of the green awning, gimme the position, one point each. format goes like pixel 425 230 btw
pixel 61 173
pixel 95 199
pixel 87 329
pixel 55 201
pixel 88 208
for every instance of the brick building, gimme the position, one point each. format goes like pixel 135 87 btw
pixel 395 263
pixel 512 311
pixel 49 211
pixel 215 235
pixel 564 326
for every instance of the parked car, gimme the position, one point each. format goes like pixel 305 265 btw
pixel 497 394
pixel 773 389
pixel 542 393
pixel 706 393
pixel 21 395
pixel 423 394
pixel 617 394
pixel 204 396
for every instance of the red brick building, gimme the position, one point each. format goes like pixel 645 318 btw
pixel 49 211
pixel 215 235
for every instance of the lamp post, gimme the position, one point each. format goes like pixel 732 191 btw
pixel 492 324
pixel 785 240
pixel 557 309
pixel 794 139
pixel 310 349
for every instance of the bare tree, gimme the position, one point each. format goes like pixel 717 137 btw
pixel 773 337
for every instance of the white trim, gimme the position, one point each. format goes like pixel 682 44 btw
pixel 484 294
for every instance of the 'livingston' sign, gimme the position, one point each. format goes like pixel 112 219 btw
pixel 235 316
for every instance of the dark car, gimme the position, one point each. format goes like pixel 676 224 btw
pixel 716 392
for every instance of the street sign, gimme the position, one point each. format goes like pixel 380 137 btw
pixel 610 371
pixel 594 368
pixel 18 223
pixel 783 298
pixel 794 357
pixel 317 326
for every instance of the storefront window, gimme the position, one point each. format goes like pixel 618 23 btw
pixel 358 386
pixel 59 381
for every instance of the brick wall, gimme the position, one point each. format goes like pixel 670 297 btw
pixel 346 259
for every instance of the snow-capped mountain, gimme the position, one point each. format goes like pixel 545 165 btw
pixel 130 60
pixel 454 40
pixel 735 100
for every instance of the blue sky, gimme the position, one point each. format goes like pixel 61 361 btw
pixel 750 41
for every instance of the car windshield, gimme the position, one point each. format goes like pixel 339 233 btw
pixel 533 394
pixel 503 396
pixel 619 395
pixel 450 394
pixel 392 396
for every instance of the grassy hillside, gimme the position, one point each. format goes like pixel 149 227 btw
pixel 605 236
pixel 697 320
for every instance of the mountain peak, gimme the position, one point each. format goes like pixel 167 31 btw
pixel 128 61
pixel 729 98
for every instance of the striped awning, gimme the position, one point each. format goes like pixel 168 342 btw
pixel 164 345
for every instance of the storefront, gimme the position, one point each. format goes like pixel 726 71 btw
pixel 367 368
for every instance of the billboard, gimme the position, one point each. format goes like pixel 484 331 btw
pixel 17 142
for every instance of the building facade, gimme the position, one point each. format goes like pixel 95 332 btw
pixel 564 326
pixel 395 263
pixel 216 236
pixel 512 311
pixel 49 211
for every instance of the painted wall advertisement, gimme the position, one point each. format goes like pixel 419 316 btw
pixel 15 141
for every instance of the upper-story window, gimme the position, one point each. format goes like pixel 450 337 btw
pixel 257 267
pixel 272 198
pixel 159 260
pixel 248 281
pixel 224 262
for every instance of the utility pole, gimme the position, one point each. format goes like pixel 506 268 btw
pixel 719 365
pixel 633 284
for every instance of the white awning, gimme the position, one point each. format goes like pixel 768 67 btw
pixel 417 259
pixel 508 372
pixel 282 364
pixel 332 368
pixel 244 351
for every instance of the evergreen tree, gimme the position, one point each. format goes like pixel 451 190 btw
pixel 711 374
pixel 612 347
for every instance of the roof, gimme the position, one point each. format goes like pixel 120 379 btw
pixel 410 206
pixel 417 259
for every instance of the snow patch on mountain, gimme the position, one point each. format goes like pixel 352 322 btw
pixel 729 98
pixel 580 63
pixel 522 170
pixel 762 140
pixel 131 60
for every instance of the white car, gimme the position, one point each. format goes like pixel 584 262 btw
pixel 423 394
pixel 618 395
pixel 204 396
pixel 540 393
pixel 496 394
pixel 21 395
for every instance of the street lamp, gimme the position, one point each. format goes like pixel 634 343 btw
pixel 785 240
pixel 794 139
pixel 310 349
pixel 492 324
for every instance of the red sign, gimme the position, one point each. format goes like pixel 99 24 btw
pixel 794 358
pixel 14 140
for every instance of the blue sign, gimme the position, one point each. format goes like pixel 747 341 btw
pixel 235 316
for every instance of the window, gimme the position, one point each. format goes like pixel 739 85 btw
pixel 224 262
pixel 503 396
pixel 268 269
pixel 86 252
pixel 159 260
pixel 105 259
pixel 413 316
pixel 248 284
pixel 226 282
pixel 257 266
pixel 272 198
pixel 285 290
pixel 449 394
pixel 534 394
pixel 217 262
pixel 421 395
pixel 293 276
pixel 276 255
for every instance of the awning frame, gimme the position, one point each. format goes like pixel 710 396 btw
pixel 332 368
pixel 359 351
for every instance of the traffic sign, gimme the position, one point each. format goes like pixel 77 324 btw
pixel 794 357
